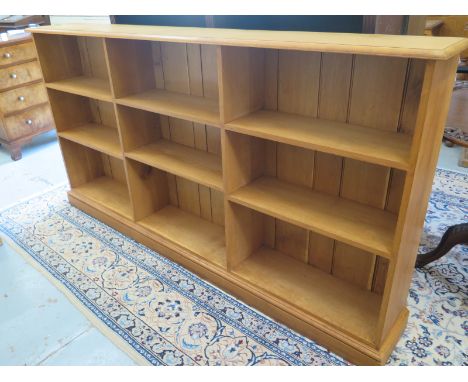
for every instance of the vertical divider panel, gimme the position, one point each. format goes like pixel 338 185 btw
pixel 147 188
pixel 241 81
pixel 241 87
pixel 130 71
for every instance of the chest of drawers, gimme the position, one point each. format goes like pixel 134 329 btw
pixel 24 106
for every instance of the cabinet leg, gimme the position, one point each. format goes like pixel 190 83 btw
pixel 463 161
pixel 15 151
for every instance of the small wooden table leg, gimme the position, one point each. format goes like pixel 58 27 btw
pixel 15 152
pixel 463 161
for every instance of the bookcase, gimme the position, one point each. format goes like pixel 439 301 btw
pixel 292 169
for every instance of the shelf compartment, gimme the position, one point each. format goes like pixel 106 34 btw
pixel 102 138
pixel 86 121
pixel 185 213
pixel 108 193
pixel 356 142
pixel 315 292
pixel 178 80
pixel 193 108
pixel 196 165
pixel 189 231
pixel 356 224
pixel 84 86
pixel 74 64
pixel 96 177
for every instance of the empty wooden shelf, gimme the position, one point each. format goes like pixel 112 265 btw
pixel 98 137
pixel 314 291
pixel 194 108
pixel 292 169
pixel 357 142
pixel 203 238
pixel 199 166
pixel 96 177
pixel 107 192
pixel 364 227
pixel 85 86
pixel 74 64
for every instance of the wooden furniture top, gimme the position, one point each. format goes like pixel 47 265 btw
pixel 17 38
pixel 436 48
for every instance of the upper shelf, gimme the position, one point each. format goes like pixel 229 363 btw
pixel 435 48
pixel 370 145
pixel 189 107
pixel 96 88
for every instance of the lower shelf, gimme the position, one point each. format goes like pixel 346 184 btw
pixel 348 307
pixel 200 236
pixel 108 193
pixel 98 137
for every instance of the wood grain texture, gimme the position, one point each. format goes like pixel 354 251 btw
pixel 387 45
pixel 366 227
pixel 350 140
pixel 435 99
pixel 328 173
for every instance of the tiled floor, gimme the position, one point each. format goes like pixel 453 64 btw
pixel 38 325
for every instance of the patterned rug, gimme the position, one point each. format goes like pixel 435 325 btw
pixel 163 314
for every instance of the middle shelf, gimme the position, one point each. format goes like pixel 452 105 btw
pixel 364 227
pixel 196 165
pixel 195 108
pixel 99 137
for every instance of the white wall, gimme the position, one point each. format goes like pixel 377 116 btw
pixel 79 19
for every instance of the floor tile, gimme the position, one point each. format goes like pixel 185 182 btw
pixel 89 349
pixel 36 319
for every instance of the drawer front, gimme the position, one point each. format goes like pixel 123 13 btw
pixel 22 98
pixel 16 53
pixel 19 74
pixel 29 121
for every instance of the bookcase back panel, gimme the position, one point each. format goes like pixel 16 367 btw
pixel 197 199
pixel 186 68
pixel 191 134
pixel 92 57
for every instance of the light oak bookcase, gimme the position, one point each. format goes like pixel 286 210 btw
pixel 292 169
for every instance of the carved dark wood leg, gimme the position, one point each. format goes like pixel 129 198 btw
pixel 456 234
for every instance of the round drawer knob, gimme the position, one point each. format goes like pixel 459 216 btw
pixel 21 98
pixel 29 122
pixel 7 55
pixel 13 75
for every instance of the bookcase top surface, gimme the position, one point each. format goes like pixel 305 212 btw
pixel 424 47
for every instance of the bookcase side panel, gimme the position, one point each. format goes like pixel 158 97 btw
pixel 431 116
